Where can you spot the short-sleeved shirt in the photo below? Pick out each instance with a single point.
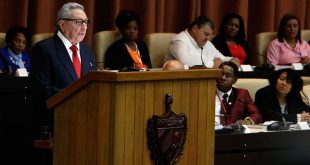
(184, 48)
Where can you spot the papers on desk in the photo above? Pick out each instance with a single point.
(302, 126)
(297, 66)
(246, 68)
(294, 66)
(218, 127)
(278, 67)
(266, 123)
(105, 70)
(21, 72)
(255, 128)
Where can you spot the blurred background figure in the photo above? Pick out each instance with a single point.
(14, 55)
(288, 48)
(231, 39)
(282, 96)
(173, 65)
(128, 51)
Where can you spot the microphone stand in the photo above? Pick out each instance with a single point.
(235, 128)
(203, 64)
(279, 125)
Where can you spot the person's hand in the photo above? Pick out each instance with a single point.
(246, 121)
(305, 116)
(305, 60)
(236, 61)
(217, 62)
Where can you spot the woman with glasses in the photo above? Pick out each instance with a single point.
(128, 52)
(14, 55)
(282, 98)
(288, 48)
(231, 39)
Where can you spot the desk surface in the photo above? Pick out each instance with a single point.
(286, 147)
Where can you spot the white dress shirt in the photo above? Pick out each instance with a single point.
(68, 45)
(184, 48)
(218, 106)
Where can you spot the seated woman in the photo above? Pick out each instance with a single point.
(288, 48)
(282, 96)
(231, 39)
(14, 56)
(127, 52)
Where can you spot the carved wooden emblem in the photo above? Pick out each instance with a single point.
(167, 135)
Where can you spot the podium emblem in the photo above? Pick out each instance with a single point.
(167, 135)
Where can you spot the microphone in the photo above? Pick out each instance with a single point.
(203, 64)
(232, 128)
(279, 125)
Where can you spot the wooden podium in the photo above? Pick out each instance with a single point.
(102, 118)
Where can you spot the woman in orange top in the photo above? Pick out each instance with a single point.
(127, 52)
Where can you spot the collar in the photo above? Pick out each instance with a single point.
(66, 41)
(286, 44)
(220, 93)
(14, 57)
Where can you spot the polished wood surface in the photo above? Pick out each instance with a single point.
(102, 118)
(283, 147)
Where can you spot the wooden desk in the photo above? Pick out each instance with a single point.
(287, 147)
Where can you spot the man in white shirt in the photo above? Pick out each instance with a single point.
(192, 46)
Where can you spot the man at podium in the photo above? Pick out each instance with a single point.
(233, 104)
(62, 59)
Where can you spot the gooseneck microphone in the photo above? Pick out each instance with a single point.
(235, 127)
(279, 125)
(203, 64)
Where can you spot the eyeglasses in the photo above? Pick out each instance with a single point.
(78, 22)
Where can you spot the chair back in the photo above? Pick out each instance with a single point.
(2, 40)
(305, 34)
(157, 44)
(262, 42)
(102, 41)
(39, 37)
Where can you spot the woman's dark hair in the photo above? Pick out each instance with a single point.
(124, 17)
(231, 64)
(200, 21)
(297, 82)
(281, 28)
(11, 33)
(226, 19)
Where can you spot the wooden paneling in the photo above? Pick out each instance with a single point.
(105, 122)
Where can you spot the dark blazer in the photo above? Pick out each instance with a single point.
(117, 56)
(266, 100)
(52, 69)
(7, 63)
(220, 43)
(240, 106)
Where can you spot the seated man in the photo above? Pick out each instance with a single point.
(233, 104)
(192, 46)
